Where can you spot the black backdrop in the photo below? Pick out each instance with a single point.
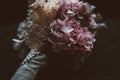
(103, 64)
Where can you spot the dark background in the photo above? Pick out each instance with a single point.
(103, 64)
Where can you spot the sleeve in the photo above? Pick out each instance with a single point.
(30, 66)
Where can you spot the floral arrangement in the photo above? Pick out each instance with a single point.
(59, 26)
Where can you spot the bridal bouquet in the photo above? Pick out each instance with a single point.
(59, 26)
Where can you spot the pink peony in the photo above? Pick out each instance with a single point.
(69, 31)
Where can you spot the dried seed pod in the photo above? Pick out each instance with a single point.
(40, 15)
